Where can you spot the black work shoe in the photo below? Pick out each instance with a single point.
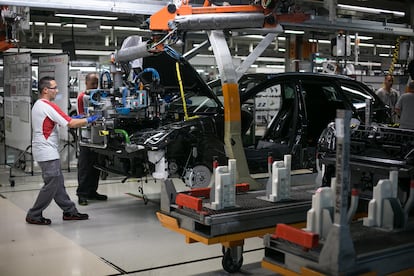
(77, 216)
(41, 221)
(83, 201)
(97, 196)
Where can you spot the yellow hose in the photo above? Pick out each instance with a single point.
(180, 82)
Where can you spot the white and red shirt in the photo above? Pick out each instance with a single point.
(46, 116)
(81, 108)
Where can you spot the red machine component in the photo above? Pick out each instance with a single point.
(193, 199)
(185, 200)
(302, 238)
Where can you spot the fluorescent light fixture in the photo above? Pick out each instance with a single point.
(132, 29)
(361, 37)
(293, 32)
(266, 59)
(275, 66)
(85, 16)
(385, 55)
(385, 46)
(320, 41)
(59, 51)
(370, 10)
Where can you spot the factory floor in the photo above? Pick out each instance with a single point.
(122, 237)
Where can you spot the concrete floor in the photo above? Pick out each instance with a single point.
(122, 237)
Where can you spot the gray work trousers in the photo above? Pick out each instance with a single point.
(53, 188)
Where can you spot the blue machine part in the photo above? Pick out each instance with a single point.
(95, 95)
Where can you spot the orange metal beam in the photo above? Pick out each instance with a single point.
(231, 102)
(191, 237)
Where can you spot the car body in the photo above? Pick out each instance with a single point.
(281, 114)
(375, 150)
(292, 109)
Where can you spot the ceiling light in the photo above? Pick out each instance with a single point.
(293, 32)
(84, 16)
(361, 37)
(320, 41)
(370, 10)
(59, 51)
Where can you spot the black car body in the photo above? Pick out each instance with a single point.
(281, 114)
(375, 151)
(292, 109)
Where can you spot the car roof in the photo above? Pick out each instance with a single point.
(293, 76)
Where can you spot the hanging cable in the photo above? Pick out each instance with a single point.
(395, 56)
(180, 82)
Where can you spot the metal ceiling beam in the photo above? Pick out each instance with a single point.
(144, 7)
(322, 24)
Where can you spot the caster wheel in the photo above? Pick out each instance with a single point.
(12, 183)
(140, 190)
(145, 198)
(229, 264)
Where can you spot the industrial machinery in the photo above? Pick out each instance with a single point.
(146, 128)
(145, 97)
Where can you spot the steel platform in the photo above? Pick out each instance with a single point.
(379, 251)
(250, 213)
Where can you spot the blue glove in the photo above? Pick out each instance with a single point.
(80, 116)
(93, 118)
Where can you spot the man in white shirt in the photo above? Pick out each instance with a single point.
(46, 116)
(389, 95)
(405, 107)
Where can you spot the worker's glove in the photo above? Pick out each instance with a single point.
(93, 118)
(80, 116)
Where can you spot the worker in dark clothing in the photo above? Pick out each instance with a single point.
(88, 175)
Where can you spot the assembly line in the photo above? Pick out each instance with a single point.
(319, 184)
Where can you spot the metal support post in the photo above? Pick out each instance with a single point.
(338, 253)
(258, 50)
(232, 114)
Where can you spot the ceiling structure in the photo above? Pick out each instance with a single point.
(46, 31)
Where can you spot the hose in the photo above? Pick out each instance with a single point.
(108, 76)
(155, 74)
(124, 133)
(180, 82)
